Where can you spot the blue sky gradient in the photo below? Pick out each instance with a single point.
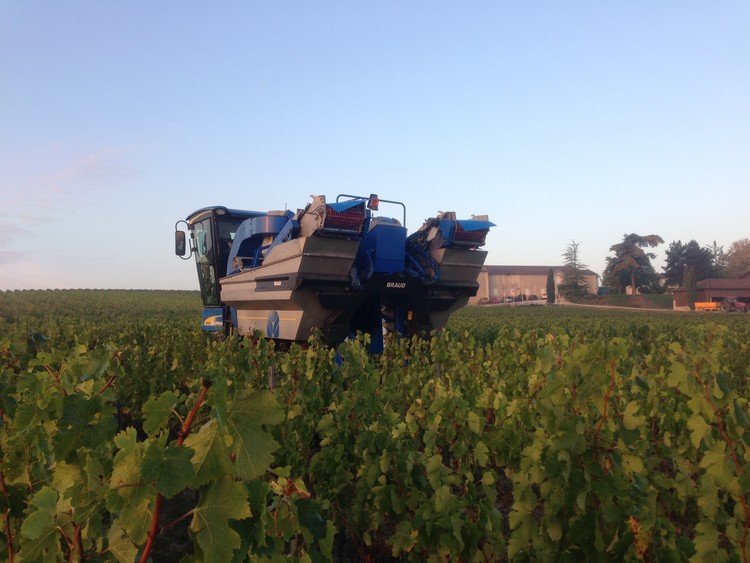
(580, 120)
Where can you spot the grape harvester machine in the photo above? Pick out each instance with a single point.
(333, 266)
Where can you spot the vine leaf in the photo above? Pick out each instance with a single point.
(39, 527)
(211, 457)
(441, 498)
(706, 542)
(134, 520)
(481, 454)
(713, 459)
(404, 538)
(226, 500)
(125, 481)
(156, 411)
(698, 429)
(43, 518)
(127, 495)
(85, 422)
(708, 497)
(630, 420)
(65, 477)
(678, 377)
(168, 468)
(476, 424)
(120, 546)
(252, 445)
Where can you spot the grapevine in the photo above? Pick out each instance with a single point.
(518, 433)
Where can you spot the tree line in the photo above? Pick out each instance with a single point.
(630, 265)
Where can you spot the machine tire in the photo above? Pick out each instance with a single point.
(724, 308)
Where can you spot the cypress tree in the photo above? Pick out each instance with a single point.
(691, 288)
(550, 287)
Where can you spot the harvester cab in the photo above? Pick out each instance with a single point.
(331, 266)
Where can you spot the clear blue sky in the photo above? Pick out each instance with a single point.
(561, 120)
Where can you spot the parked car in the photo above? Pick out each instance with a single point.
(508, 299)
(533, 297)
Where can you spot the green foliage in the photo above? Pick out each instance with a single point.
(631, 265)
(84, 466)
(529, 433)
(738, 258)
(574, 283)
(680, 257)
(718, 259)
(225, 500)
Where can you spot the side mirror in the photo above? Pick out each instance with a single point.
(179, 243)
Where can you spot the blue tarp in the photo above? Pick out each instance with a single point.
(474, 225)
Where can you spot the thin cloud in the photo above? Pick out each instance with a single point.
(17, 226)
(76, 180)
(39, 200)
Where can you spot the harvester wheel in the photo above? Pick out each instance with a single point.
(725, 307)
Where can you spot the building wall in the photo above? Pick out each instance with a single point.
(512, 285)
(593, 282)
(484, 289)
(495, 287)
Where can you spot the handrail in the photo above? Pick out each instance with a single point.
(367, 198)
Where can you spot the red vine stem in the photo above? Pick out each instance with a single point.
(77, 544)
(8, 530)
(184, 433)
(176, 521)
(110, 381)
(185, 430)
(56, 377)
(153, 529)
(604, 417)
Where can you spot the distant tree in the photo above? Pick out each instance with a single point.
(574, 283)
(631, 261)
(691, 255)
(691, 288)
(718, 260)
(738, 258)
(551, 287)
(612, 279)
(674, 266)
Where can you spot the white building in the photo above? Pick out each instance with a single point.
(499, 282)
